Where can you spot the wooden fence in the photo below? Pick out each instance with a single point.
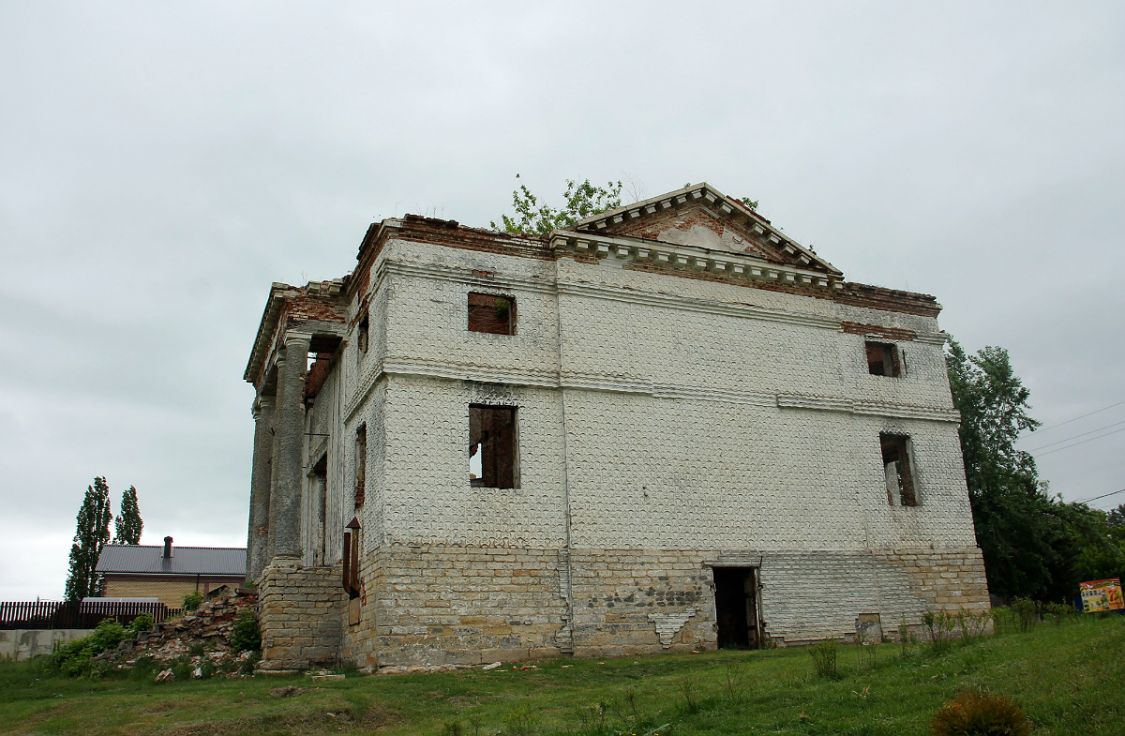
(77, 614)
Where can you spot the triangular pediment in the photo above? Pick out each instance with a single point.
(700, 216)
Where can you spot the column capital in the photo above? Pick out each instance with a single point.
(296, 339)
(261, 403)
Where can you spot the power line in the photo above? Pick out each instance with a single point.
(1081, 442)
(1076, 436)
(1104, 495)
(1081, 416)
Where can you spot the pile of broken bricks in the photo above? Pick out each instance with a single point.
(201, 639)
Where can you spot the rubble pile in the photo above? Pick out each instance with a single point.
(196, 645)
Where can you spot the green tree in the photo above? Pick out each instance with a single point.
(90, 536)
(530, 217)
(1033, 545)
(128, 524)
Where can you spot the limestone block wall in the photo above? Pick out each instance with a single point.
(427, 604)
(630, 601)
(300, 611)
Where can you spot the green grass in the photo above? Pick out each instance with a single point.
(1068, 679)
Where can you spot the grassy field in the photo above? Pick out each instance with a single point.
(1069, 678)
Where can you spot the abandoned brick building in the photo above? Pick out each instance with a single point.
(669, 426)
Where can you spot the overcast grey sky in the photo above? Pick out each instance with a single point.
(162, 163)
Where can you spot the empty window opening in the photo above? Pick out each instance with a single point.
(897, 470)
(351, 558)
(736, 607)
(493, 447)
(491, 313)
(363, 334)
(320, 498)
(360, 464)
(318, 366)
(882, 359)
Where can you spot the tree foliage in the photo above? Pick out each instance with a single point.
(90, 536)
(582, 199)
(1033, 545)
(127, 525)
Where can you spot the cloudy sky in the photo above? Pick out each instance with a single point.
(162, 163)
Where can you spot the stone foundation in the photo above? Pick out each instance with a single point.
(439, 605)
(434, 605)
(300, 611)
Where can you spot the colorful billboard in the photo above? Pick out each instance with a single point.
(1101, 595)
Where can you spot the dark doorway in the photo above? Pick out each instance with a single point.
(736, 607)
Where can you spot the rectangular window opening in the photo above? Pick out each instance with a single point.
(493, 447)
(491, 313)
(320, 477)
(360, 464)
(897, 469)
(363, 334)
(351, 558)
(882, 359)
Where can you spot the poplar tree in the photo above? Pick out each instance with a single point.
(127, 525)
(90, 536)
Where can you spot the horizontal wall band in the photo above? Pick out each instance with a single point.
(446, 370)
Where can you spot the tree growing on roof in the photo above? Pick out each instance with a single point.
(90, 536)
(127, 525)
(583, 199)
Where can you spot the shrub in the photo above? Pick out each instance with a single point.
(76, 658)
(1059, 612)
(980, 714)
(824, 659)
(143, 622)
(192, 601)
(245, 636)
(973, 624)
(1027, 613)
(1004, 620)
(939, 625)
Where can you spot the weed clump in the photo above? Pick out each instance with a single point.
(76, 659)
(192, 601)
(980, 714)
(143, 622)
(824, 659)
(1027, 613)
(246, 636)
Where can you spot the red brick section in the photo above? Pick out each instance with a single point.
(650, 227)
(891, 333)
(450, 233)
(319, 307)
(317, 374)
(877, 297)
(854, 294)
(491, 313)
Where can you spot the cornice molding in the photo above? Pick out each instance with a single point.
(736, 266)
(452, 371)
(724, 206)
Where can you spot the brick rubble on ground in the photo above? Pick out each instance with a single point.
(208, 628)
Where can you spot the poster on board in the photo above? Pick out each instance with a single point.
(1101, 595)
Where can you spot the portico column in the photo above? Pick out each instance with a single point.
(289, 429)
(257, 536)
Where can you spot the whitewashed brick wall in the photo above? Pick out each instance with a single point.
(675, 437)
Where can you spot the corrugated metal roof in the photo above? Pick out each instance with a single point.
(141, 559)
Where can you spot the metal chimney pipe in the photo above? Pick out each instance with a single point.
(167, 548)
